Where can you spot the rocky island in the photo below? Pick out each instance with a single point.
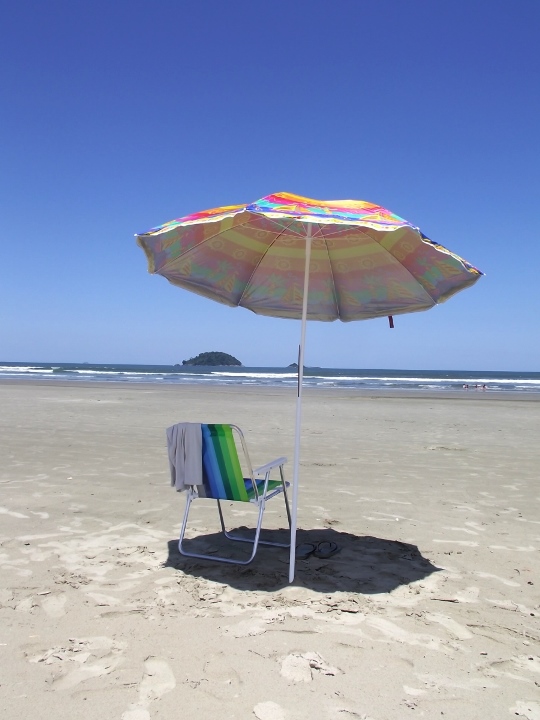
(214, 358)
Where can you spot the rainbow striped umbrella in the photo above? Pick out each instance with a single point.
(293, 257)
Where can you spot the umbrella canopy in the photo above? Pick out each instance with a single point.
(293, 257)
(365, 262)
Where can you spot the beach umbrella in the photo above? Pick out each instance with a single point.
(288, 256)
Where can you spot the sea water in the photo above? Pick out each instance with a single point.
(354, 379)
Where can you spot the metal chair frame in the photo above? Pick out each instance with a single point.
(259, 499)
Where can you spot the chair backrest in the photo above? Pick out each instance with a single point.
(222, 473)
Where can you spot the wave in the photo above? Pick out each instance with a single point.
(496, 381)
(261, 375)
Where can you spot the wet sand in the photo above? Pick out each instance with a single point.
(431, 608)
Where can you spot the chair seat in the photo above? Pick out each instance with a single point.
(272, 485)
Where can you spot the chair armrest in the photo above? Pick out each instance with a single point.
(266, 468)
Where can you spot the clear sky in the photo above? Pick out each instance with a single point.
(118, 116)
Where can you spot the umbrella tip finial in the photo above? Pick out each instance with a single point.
(391, 321)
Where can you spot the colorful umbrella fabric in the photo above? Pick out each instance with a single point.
(365, 261)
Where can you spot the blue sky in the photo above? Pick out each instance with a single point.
(118, 116)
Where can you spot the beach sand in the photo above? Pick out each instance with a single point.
(431, 609)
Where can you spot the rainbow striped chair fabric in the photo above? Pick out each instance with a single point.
(223, 479)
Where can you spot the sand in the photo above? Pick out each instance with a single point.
(431, 609)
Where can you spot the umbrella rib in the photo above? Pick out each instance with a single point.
(260, 261)
(334, 289)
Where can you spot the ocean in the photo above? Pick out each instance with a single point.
(353, 379)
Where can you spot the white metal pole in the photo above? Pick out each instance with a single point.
(296, 464)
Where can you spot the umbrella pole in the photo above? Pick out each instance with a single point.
(296, 463)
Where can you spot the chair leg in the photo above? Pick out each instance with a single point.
(189, 499)
(238, 538)
(222, 521)
(287, 508)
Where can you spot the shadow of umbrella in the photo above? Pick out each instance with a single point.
(364, 565)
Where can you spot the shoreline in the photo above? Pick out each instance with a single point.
(379, 393)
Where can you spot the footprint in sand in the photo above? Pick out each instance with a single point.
(26, 604)
(103, 653)
(158, 679)
(468, 595)
(529, 663)
(245, 628)
(12, 513)
(394, 632)
(54, 605)
(268, 711)
(344, 712)
(103, 600)
(528, 710)
(85, 672)
(458, 631)
(300, 667)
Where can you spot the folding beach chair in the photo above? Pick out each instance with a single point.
(223, 480)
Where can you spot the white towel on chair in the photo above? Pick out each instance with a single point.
(184, 444)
